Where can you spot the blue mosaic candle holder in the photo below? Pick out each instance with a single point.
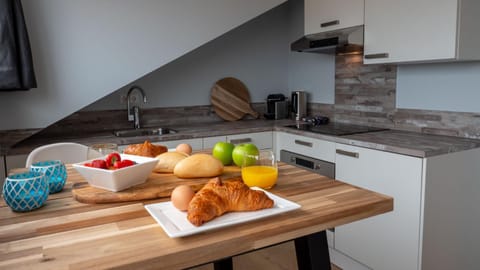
(25, 191)
(55, 172)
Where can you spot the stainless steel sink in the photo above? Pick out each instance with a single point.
(143, 132)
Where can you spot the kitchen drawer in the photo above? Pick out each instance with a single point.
(209, 142)
(263, 140)
(315, 148)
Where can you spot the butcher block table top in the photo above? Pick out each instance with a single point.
(68, 234)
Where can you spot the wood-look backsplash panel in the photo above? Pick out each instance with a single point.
(365, 95)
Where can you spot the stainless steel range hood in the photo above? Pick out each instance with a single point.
(341, 41)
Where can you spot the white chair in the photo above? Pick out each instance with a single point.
(66, 151)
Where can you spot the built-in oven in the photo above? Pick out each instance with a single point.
(315, 165)
(322, 167)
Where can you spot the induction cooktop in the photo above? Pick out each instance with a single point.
(336, 129)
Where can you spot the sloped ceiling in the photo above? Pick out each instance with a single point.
(85, 50)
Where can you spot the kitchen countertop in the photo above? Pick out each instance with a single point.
(411, 143)
(400, 142)
(396, 141)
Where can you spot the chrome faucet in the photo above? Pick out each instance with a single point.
(135, 115)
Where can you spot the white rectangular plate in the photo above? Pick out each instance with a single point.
(175, 223)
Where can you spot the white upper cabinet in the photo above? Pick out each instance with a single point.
(421, 31)
(328, 15)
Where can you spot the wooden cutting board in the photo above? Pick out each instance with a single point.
(158, 185)
(231, 100)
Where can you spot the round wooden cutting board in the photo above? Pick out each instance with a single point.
(231, 100)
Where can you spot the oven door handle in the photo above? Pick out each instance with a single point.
(315, 166)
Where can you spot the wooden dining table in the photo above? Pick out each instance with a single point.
(67, 234)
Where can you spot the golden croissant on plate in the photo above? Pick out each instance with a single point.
(217, 198)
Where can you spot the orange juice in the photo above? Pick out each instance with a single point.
(260, 176)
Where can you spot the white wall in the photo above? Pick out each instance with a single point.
(445, 87)
(84, 50)
(257, 53)
(311, 72)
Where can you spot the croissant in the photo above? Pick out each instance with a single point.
(217, 198)
(145, 149)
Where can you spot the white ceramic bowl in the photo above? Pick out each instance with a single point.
(119, 179)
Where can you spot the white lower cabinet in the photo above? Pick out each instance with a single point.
(392, 240)
(263, 140)
(310, 147)
(209, 142)
(435, 218)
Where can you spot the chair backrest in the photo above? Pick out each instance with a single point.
(67, 152)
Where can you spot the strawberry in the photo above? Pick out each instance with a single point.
(99, 163)
(112, 158)
(123, 163)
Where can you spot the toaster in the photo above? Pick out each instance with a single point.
(277, 107)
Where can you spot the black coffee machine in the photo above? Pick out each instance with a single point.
(277, 107)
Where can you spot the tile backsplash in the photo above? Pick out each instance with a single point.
(365, 95)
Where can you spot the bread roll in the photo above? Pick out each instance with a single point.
(167, 161)
(197, 166)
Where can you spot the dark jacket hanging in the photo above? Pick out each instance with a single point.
(16, 65)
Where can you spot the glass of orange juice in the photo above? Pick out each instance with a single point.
(260, 170)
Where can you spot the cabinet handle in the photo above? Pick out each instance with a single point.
(308, 144)
(348, 153)
(376, 55)
(327, 24)
(239, 141)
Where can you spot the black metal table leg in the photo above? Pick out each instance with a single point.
(312, 252)
(223, 264)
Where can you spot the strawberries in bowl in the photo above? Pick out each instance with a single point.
(111, 162)
(126, 171)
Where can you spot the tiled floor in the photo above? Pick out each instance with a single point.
(279, 257)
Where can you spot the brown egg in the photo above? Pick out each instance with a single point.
(184, 148)
(181, 197)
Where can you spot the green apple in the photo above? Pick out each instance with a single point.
(241, 150)
(223, 152)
